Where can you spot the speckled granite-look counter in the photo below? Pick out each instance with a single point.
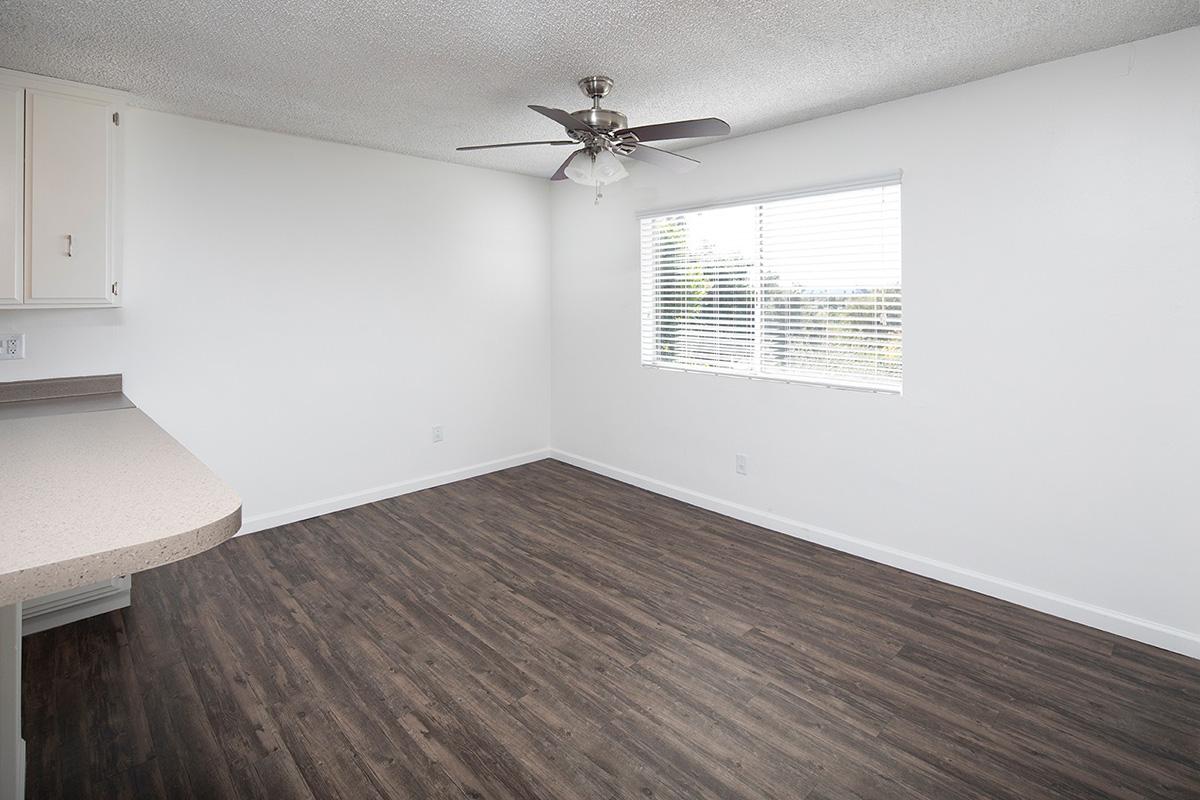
(88, 496)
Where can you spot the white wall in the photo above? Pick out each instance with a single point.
(300, 314)
(1047, 445)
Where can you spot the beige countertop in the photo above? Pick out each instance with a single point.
(92, 495)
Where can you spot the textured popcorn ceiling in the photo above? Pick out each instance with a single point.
(424, 77)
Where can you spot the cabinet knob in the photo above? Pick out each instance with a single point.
(70, 245)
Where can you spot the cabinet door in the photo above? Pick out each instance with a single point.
(12, 192)
(68, 208)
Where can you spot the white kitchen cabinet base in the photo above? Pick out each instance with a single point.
(72, 605)
(12, 746)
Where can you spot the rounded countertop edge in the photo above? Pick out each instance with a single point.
(33, 582)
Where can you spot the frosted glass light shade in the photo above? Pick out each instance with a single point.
(600, 169)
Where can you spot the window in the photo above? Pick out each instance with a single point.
(803, 288)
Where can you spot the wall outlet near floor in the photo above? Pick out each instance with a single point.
(12, 346)
(739, 463)
(438, 434)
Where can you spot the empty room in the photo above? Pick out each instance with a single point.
(701, 401)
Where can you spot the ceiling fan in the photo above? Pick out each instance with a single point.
(605, 135)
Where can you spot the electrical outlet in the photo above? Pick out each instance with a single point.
(438, 434)
(12, 346)
(739, 463)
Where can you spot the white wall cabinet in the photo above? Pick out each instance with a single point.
(60, 244)
(12, 193)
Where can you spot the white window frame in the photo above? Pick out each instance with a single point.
(647, 317)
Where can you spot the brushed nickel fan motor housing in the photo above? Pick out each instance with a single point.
(600, 119)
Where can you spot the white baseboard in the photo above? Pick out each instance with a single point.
(261, 522)
(1142, 630)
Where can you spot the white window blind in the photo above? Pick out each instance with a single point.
(802, 288)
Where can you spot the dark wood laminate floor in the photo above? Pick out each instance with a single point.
(546, 633)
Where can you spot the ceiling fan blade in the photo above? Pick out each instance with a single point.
(563, 118)
(511, 144)
(561, 173)
(662, 158)
(683, 129)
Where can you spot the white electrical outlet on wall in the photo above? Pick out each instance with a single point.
(12, 346)
(438, 435)
(739, 463)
